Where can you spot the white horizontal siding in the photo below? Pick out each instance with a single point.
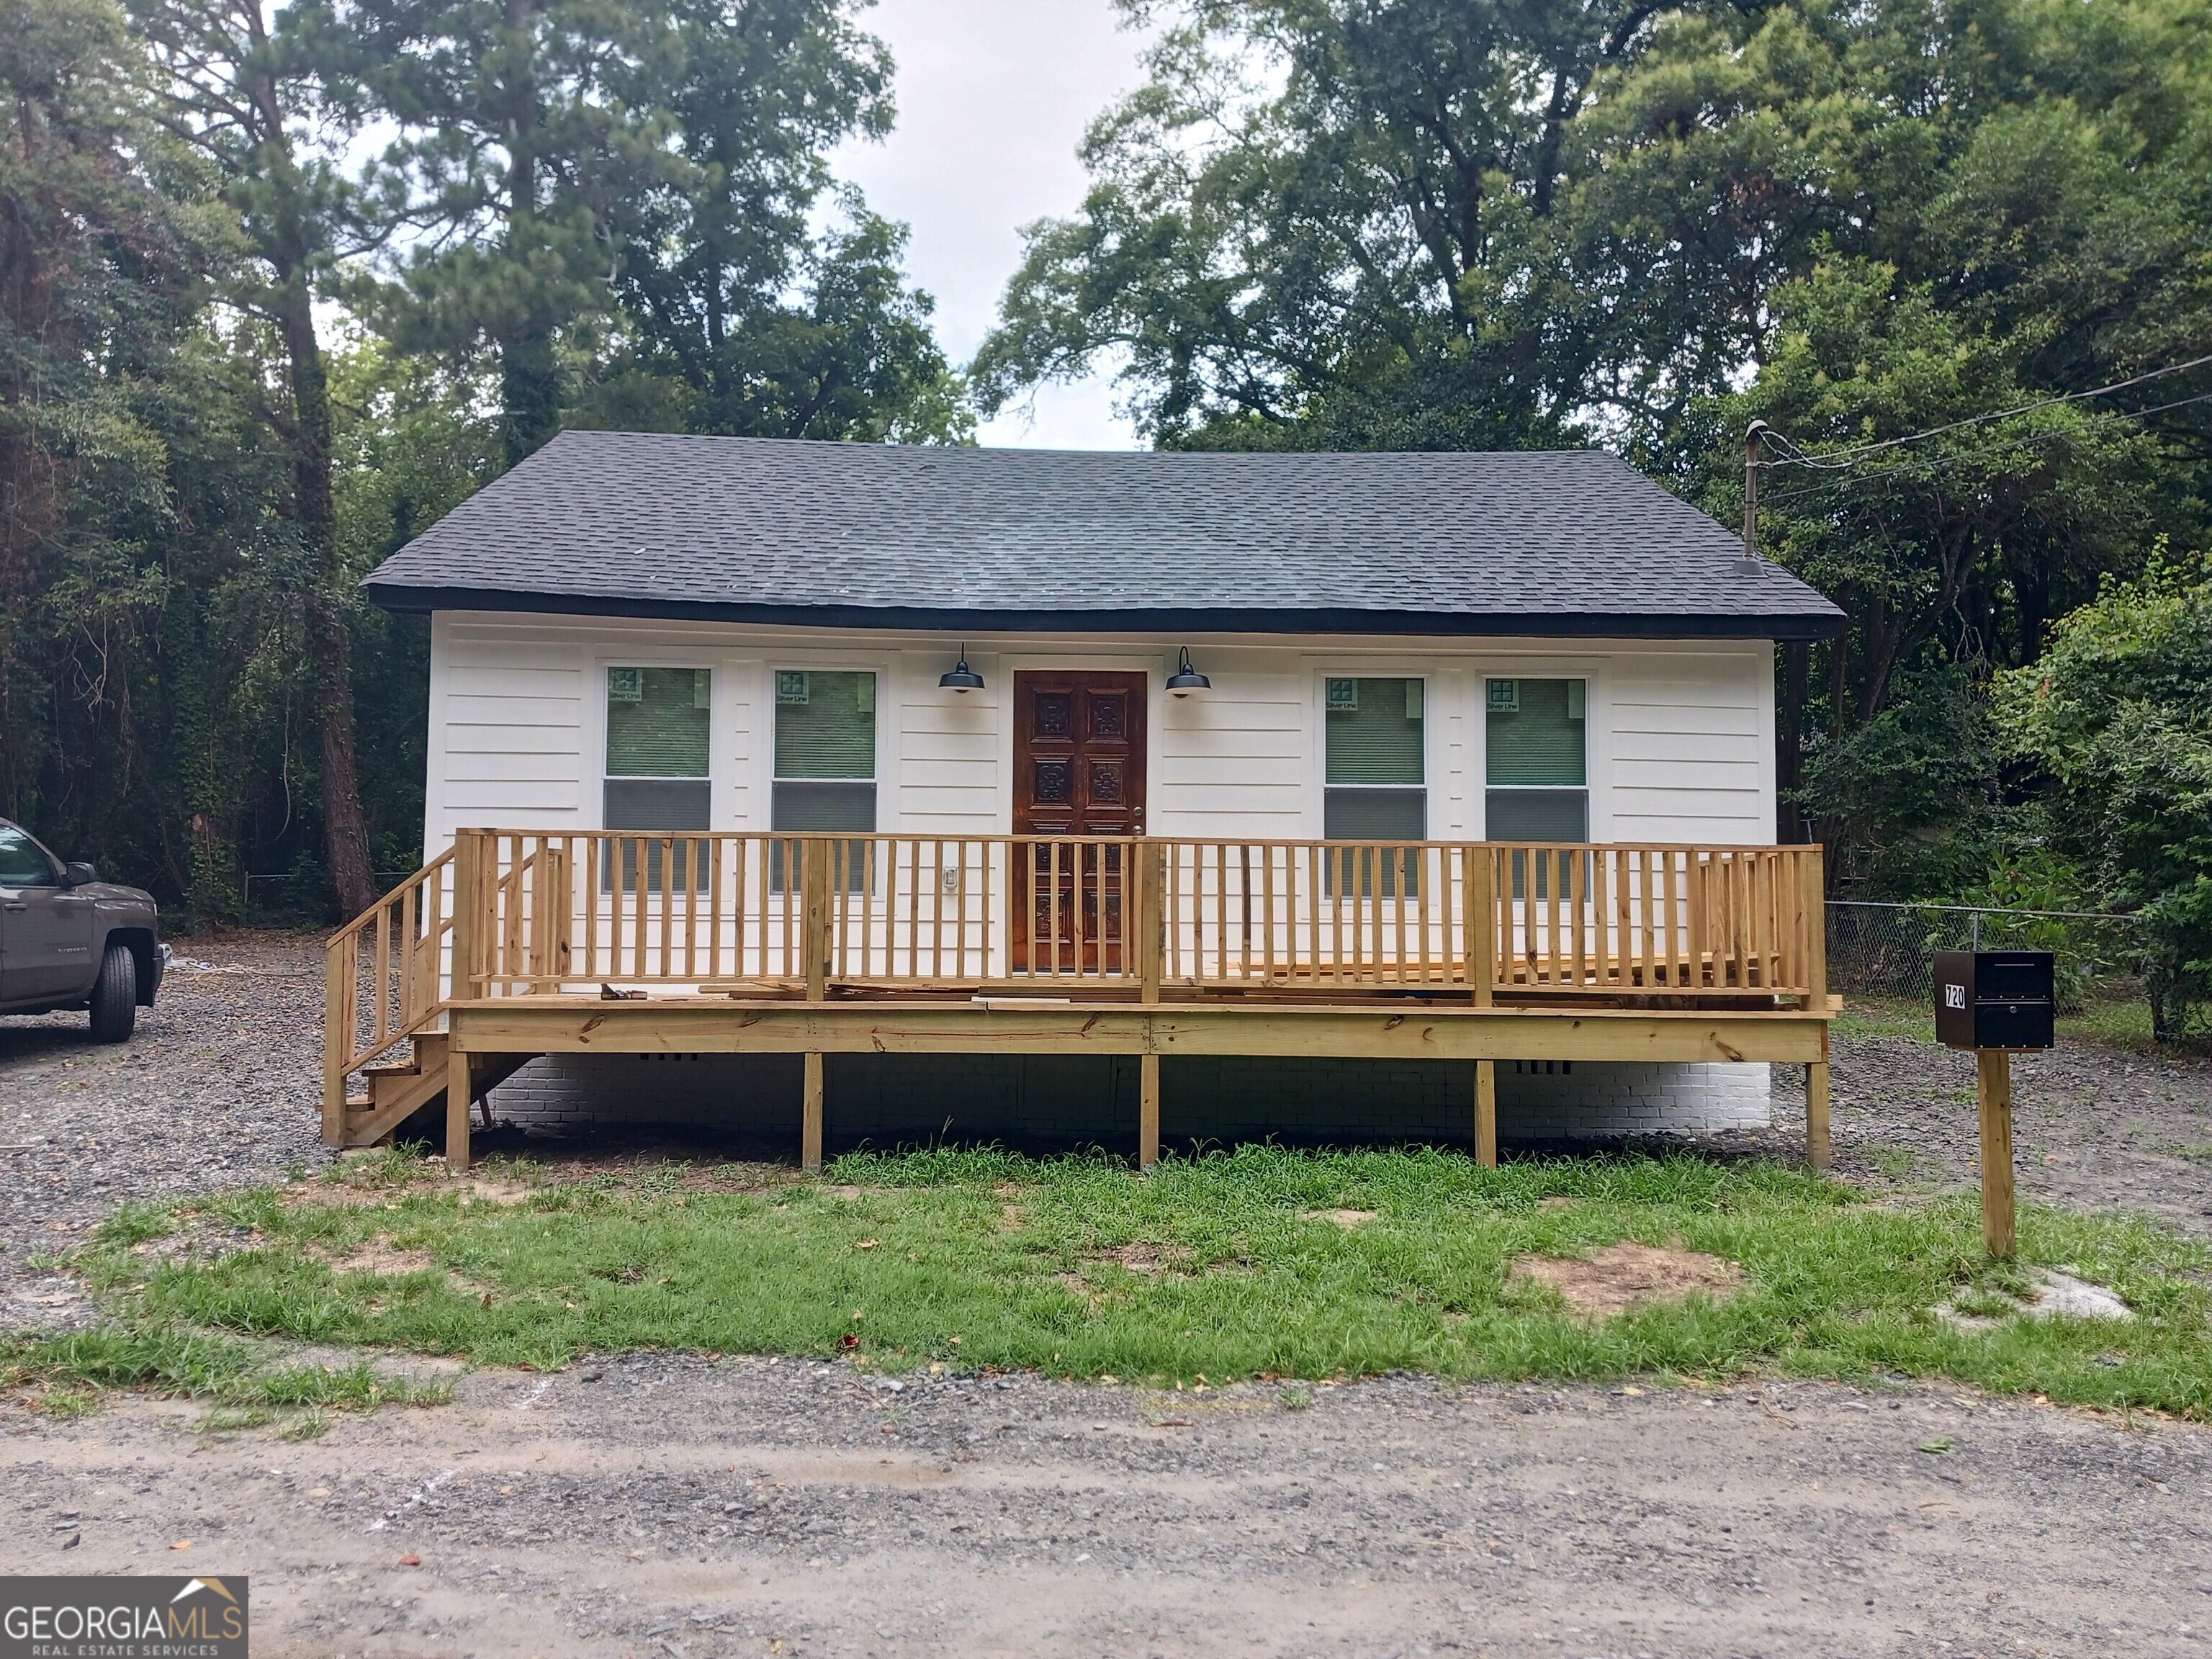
(738, 749)
(947, 746)
(1233, 761)
(466, 678)
(489, 737)
(1687, 718)
(508, 746)
(1681, 737)
(1689, 758)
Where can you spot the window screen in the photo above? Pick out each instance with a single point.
(658, 723)
(826, 760)
(657, 720)
(1538, 766)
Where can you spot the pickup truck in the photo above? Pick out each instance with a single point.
(69, 939)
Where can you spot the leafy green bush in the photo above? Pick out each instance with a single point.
(1908, 798)
(2118, 716)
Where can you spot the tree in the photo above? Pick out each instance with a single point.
(239, 96)
(412, 442)
(1329, 224)
(524, 126)
(1960, 540)
(103, 229)
(191, 482)
(2115, 716)
(844, 350)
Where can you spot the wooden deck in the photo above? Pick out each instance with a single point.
(516, 943)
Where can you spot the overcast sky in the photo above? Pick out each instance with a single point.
(992, 97)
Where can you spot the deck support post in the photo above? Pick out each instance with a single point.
(1819, 1151)
(1485, 1112)
(1993, 1076)
(1148, 1109)
(810, 1122)
(458, 1091)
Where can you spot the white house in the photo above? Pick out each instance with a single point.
(646, 632)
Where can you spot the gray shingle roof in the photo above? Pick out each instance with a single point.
(619, 523)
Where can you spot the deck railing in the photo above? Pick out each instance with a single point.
(521, 913)
(509, 913)
(386, 977)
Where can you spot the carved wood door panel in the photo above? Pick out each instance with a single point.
(1079, 771)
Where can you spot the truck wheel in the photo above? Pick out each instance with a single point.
(115, 996)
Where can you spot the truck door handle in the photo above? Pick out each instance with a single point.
(14, 904)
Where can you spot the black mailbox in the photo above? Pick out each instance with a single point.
(1994, 998)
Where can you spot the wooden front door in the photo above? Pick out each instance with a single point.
(1079, 771)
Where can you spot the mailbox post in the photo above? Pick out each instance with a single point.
(1996, 1003)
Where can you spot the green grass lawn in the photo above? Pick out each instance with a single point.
(1228, 1267)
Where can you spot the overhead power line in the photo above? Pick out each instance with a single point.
(1853, 476)
(1842, 460)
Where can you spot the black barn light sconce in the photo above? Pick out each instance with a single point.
(1186, 679)
(962, 678)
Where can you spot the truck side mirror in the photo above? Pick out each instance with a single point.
(79, 875)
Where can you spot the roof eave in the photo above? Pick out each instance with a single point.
(407, 599)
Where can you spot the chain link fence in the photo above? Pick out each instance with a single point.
(1889, 950)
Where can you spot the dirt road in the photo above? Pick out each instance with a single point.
(690, 1508)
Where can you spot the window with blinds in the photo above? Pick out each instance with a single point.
(1538, 764)
(1374, 780)
(825, 754)
(1374, 787)
(658, 724)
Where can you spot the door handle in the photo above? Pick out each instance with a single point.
(14, 904)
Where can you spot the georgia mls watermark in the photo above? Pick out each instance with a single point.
(123, 1618)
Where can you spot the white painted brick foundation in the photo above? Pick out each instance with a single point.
(891, 1100)
(1541, 1100)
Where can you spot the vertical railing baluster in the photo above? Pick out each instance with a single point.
(960, 922)
(1267, 910)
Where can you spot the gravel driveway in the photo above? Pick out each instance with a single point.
(221, 1086)
(2092, 1129)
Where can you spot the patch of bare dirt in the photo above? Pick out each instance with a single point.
(380, 1256)
(384, 1259)
(1346, 1219)
(1629, 1275)
(1141, 1257)
(500, 1192)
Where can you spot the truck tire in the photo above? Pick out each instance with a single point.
(115, 996)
